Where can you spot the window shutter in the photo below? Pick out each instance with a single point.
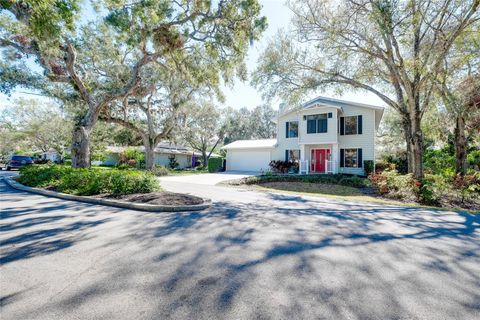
(286, 155)
(359, 158)
(330, 115)
(286, 129)
(360, 124)
(342, 156)
(304, 117)
(342, 126)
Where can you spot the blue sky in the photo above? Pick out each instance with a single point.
(242, 94)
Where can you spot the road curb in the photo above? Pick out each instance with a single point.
(109, 202)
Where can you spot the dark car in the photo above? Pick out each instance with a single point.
(18, 162)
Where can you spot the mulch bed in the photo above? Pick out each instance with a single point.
(158, 198)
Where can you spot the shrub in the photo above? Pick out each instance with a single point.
(438, 161)
(215, 164)
(352, 181)
(345, 180)
(132, 157)
(89, 181)
(368, 166)
(383, 165)
(160, 171)
(280, 166)
(134, 182)
(398, 160)
(395, 185)
(42, 175)
(172, 162)
(473, 159)
(467, 186)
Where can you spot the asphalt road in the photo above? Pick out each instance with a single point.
(253, 255)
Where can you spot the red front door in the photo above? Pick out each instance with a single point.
(318, 160)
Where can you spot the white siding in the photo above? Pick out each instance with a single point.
(161, 159)
(184, 161)
(284, 143)
(327, 137)
(330, 140)
(364, 141)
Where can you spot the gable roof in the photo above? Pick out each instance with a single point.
(338, 104)
(251, 144)
(331, 102)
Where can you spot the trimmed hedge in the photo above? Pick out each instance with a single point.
(215, 164)
(344, 180)
(90, 181)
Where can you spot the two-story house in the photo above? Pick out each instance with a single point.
(324, 135)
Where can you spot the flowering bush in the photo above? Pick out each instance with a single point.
(432, 190)
(467, 186)
(279, 166)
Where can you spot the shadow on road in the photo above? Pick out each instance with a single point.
(284, 258)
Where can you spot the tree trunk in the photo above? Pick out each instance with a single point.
(149, 154)
(416, 147)
(406, 131)
(414, 140)
(460, 146)
(81, 146)
(205, 158)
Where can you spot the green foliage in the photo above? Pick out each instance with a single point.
(473, 159)
(281, 166)
(131, 157)
(395, 185)
(89, 181)
(345, 180)
(467, 186)
(398, 161)
(434, 189)
(245, 124)
(47, 18)
(172, 162)
(368, 166)
(439, 161)
(215, 164)
(160, 171)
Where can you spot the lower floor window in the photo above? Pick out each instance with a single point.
(351, 158)
(292, 155)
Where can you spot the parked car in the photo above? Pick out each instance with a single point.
(17, 162)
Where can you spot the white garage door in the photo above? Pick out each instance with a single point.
(248, 160)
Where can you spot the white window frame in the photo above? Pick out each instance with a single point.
(345, 126)
(345, 154)
(298, 129)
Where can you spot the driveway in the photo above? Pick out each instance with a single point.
(209, 178)
(252, 255)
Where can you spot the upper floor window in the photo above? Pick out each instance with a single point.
(292, 129)
(351, 125)
(317, 123)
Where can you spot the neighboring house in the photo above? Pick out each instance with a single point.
(51, 155)
(324, 135)
(163, 152)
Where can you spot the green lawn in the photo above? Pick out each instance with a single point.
(185, 172)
